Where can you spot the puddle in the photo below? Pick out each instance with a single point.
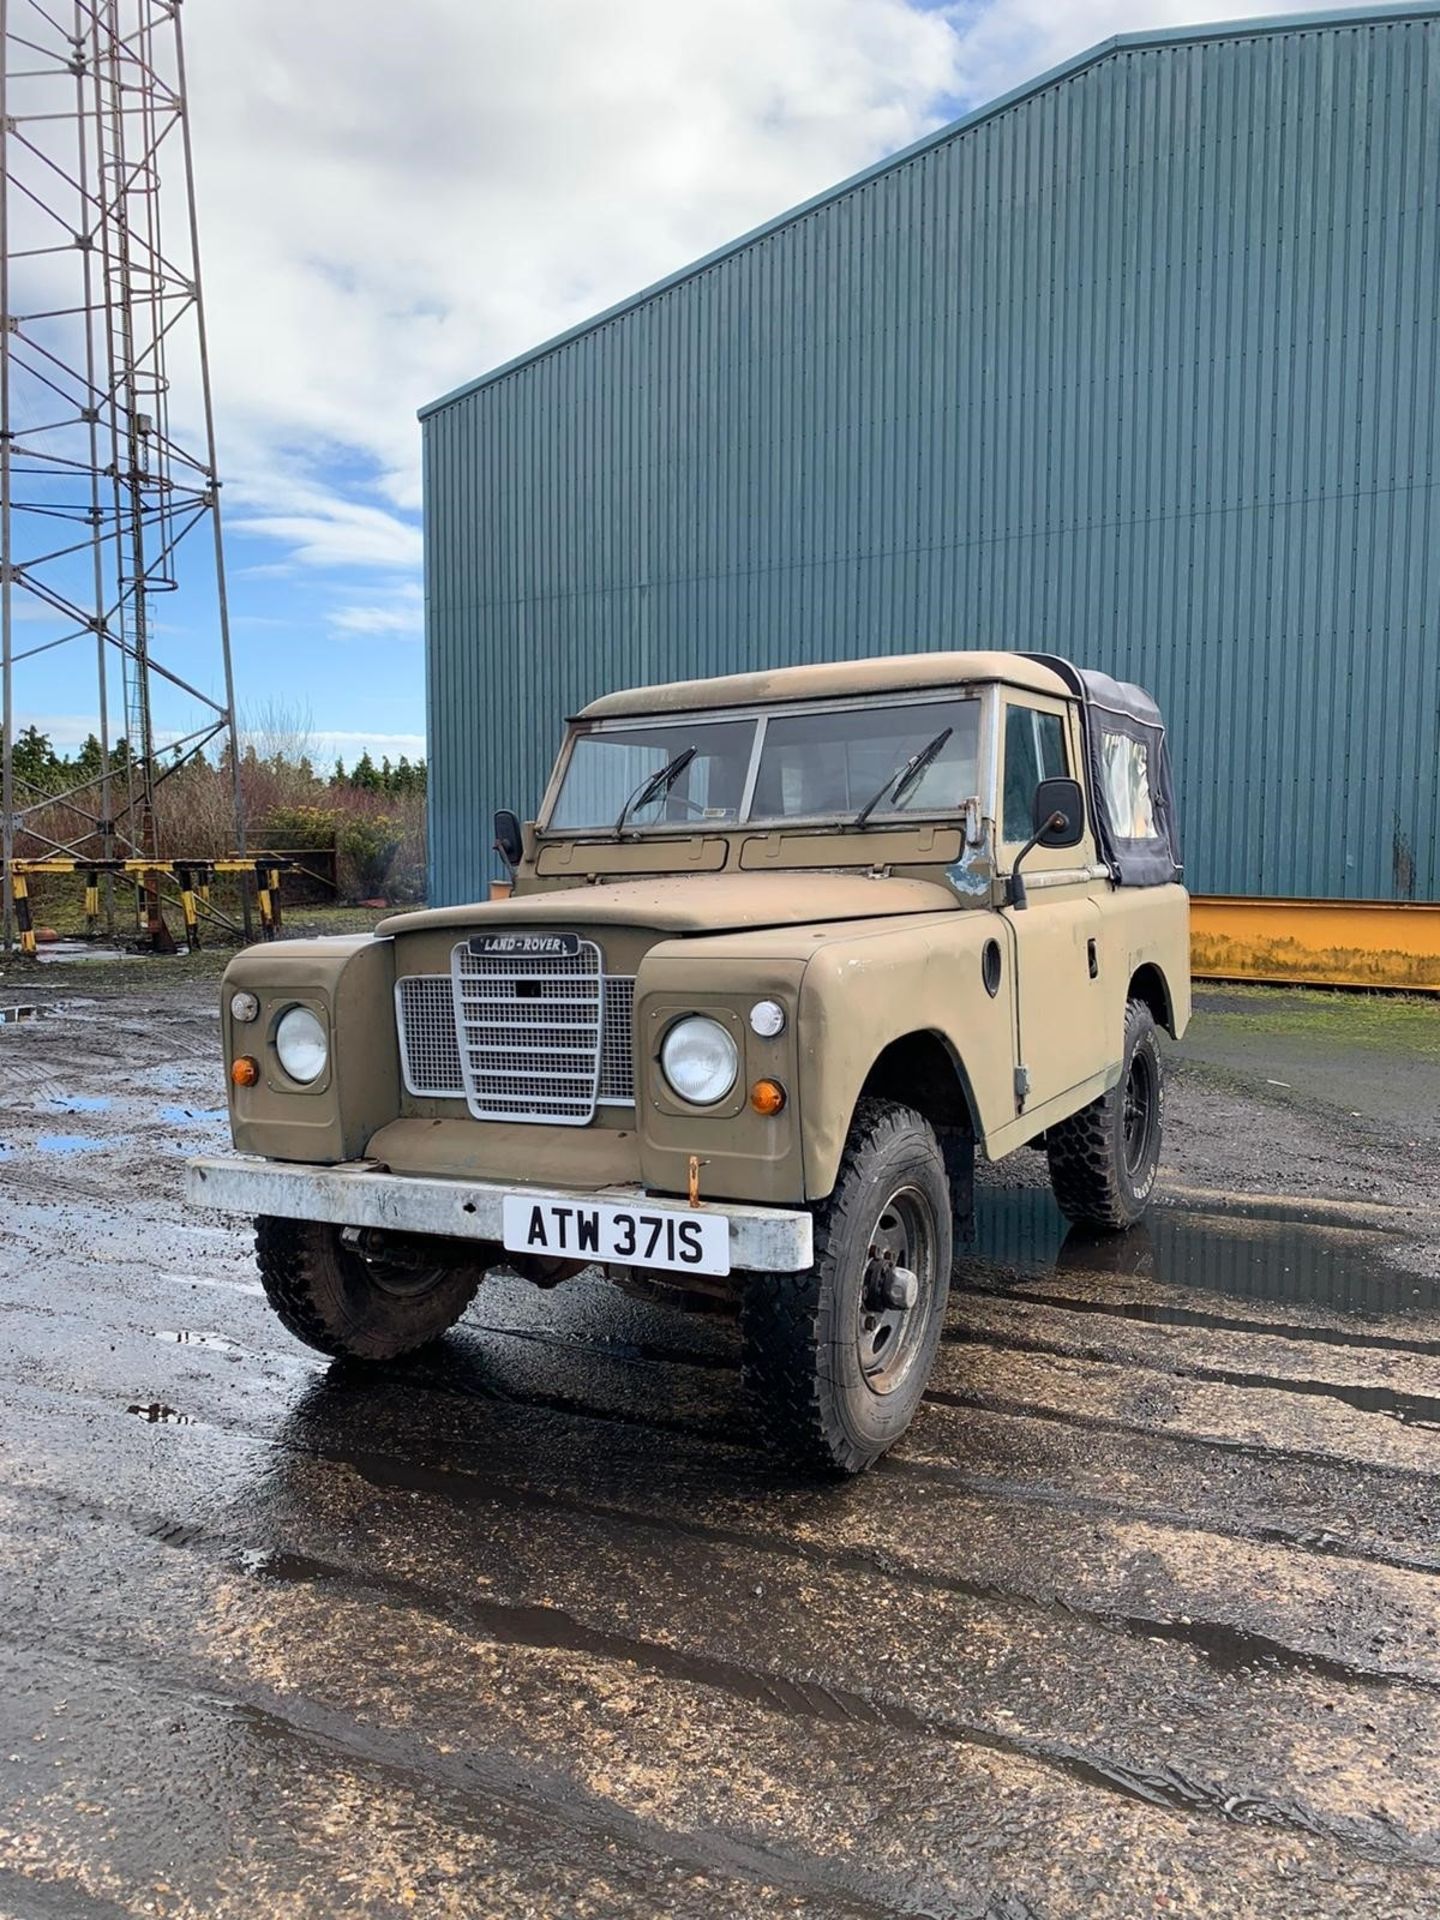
(77, 1103)
(63, 950)
(193, 1116)
(216, 1342)
(1234, 1650)
(1288, 1263)
(156, 1413)
(73, 1143)
(274, 1563)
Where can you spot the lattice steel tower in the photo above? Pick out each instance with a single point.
(111, 563)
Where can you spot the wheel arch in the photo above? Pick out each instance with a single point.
(922, 1069)
(1149, 986)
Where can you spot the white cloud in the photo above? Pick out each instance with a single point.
(319, 526)
(65, 730)
(396, 609)
(394, 199)
(326, 748)
(1004, 44)
(70, 730)
(38, 613)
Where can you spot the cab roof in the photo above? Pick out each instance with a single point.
(834, 679)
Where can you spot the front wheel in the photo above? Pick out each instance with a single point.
(344, 1302)
(837, 1358)
(1104, 1159)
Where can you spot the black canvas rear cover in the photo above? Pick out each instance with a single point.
(1131, 787)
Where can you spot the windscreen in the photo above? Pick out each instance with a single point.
(611, 766)
(817, 764)
(827, 765)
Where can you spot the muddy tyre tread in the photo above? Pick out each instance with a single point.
(783, 1315)
(1087, 1173)
(285, 1276)
(302, 1270)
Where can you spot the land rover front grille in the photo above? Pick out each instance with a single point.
(520, 1038)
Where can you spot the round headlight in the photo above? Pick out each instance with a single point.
(302, 1044)
(700, 1060)
(243, 1006)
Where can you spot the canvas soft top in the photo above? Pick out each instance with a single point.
(1128, 761)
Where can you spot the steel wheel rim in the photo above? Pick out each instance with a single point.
(1138, 1119)
(400, 1282)
(888, 1337)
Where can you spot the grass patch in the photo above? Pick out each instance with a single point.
(1407, 1021)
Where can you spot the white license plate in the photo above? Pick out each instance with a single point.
(679, 1241)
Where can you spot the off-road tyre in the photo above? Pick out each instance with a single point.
(821, 1397)
(345, 1305)
(1104, 1159)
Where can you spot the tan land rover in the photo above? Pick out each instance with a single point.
(780, 952)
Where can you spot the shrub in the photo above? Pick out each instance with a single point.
(295, 827)
(367, 844)
(377, 833)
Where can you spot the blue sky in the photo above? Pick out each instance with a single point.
(393, 200)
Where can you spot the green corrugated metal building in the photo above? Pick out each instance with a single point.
(1138, 364)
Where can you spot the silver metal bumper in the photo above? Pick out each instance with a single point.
(762, 1239)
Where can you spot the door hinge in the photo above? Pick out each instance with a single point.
(1022, 1088)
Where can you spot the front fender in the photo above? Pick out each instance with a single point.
(743, 1155)
(862, 992)
(349, 983)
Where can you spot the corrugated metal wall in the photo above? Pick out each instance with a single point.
(1140, 367)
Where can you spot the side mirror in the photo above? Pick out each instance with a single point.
(1059, 798)
(509, 841)
(1059, 822)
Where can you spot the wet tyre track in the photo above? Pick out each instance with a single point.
(293, 1764)
(825, 1771)
(982, 1563)
(1055, 1649)
(1102, 1638)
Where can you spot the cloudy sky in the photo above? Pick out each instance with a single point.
(395, 198)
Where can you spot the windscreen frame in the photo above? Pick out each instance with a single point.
(745, 820)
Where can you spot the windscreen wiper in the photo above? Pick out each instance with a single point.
(899, 783)
(654, 786)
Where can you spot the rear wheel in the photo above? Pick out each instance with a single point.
(838, 1358)
(1104, 1159)
(342, 1301)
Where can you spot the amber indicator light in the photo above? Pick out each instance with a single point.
(767, 1096)
(245, 1072)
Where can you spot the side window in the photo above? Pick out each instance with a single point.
(1125, 766)
(1034, 751)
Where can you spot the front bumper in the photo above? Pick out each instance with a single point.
(762, 1239)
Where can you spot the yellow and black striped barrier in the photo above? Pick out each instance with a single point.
(20, 895)
(191, 877)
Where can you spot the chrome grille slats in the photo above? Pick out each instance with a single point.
(498, 998)
(520, 1038)
(617, 1042)
(429, 1051)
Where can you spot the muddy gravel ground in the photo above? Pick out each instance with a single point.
(1142, 1618)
